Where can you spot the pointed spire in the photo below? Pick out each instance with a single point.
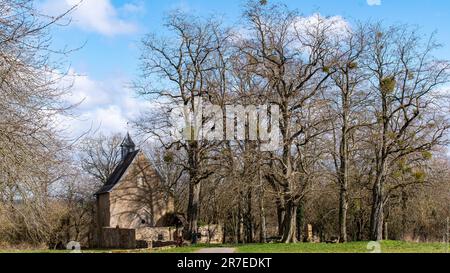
(127, 146)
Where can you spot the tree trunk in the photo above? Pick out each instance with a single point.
(193, 210)
(224, 234)
(263, 229)
(262, 209)
(248, 219)
(376, 218)
(404, 214)
(290, 223)
(300, 216)
(359, 225)
(343, 170)
(236, 226)
(240, 221)
(360, 231)
(343, 208)
(280, 217)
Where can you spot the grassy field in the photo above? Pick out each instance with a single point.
(356, 247)
(105, 251)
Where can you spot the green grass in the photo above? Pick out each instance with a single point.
(190, 249)
(44, 251)
(355, 247)
(106, 251)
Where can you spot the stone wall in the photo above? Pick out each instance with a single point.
(212, 234)
(153, 234)
(116, 238)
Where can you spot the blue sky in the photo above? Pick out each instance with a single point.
(112, 31)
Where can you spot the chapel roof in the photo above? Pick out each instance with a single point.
(118, 173)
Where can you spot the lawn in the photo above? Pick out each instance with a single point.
(355, 247)
(105, 251)
(44, 251)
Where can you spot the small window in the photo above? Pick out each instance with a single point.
(143, 222)
(160, 237)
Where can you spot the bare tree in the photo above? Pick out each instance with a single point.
(289, 54)
(183, 62)
(405, 79)
(347, 104)
(32, 149)
(100, 156)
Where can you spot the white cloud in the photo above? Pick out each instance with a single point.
(99, 16)
(85, 91)
(374, 2)
(106, 106)
(336, 28)
(335, 25)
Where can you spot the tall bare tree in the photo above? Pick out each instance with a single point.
(183, 61)
(405, 79)
(290, 54)
(347, 104)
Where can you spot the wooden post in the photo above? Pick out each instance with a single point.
(309, 232)
(386, 233)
